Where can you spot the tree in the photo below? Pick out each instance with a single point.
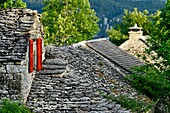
(110, 9)
(142, 19)
(155, 79)
(12, 4)
(68, 21)
(116, 37)
(113, 10)
(160, 41)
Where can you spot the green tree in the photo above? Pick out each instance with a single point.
(12, 4)
(68, 21)
(142, 19)
(155, 79)
(116, 37)
(160, 41)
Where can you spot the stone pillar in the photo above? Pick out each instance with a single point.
(135, 33)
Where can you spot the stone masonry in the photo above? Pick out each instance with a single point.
(137, 45)
(73, 77)
(17, 26)
(78, 89)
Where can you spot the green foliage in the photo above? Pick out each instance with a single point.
(150, 81)
(116, 37)
(143, 19)
(135, 105)
(4, 4)
(7, 106)
(160, 41)
(155, 80)
(100, 63)
(110, 9)
(113, 9)
(66, 22)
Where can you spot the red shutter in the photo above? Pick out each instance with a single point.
(31, 56)
(39, 54)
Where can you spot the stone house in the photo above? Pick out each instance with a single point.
(136, 44)
(74, 77)
(20, 30)
(70, 78)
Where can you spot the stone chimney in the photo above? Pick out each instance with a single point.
(135, 33)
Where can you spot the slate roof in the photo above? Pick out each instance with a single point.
(80, 89)
(16, 26)
(115, 54)
(138, 48)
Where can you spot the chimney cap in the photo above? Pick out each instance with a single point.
(135, 27)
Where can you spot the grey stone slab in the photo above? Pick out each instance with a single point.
(123, 111)
(3, 92)
(56, 62)
(115, 54)
(50, 72)
(53, 67)
(15, 68)
(78, 90)
(2, 70)
(10, 37)
(99, 109)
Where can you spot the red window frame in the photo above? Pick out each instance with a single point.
(39, 54)
(31, 56)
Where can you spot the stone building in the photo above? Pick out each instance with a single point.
(92, 69)
(19, 28)
(72, 78)
(136, 44)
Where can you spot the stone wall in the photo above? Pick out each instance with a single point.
(13, 80)
(134, 36)
(17, 26)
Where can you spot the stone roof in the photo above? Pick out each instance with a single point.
(137, 48)
(134, 47)
(79, 89)
(16, 27)
(115, 54)
(137, 44)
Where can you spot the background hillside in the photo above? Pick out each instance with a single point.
(110, 11)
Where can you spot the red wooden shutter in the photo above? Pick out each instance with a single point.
(39, 54)
(31, 56)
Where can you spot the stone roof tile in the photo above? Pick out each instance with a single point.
(15, 25)
(115, 54)
(83, 87)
